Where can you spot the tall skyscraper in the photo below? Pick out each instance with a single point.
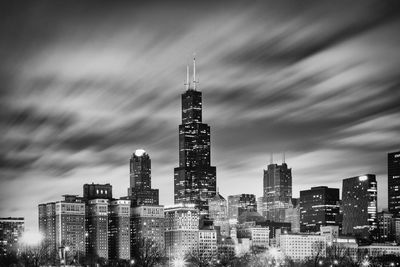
(319, 206)
(140, 191)
(195, 178)
(359, 204)
(237, 204)
(277, 191)
(394, 183)
(11, 230)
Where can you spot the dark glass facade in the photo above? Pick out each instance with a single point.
(319, 206)
(195, 178)
(394, 183)
(277, 191)
(359, 205)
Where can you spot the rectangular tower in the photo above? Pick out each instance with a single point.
(119, 230)
(319, 206)
(277, 191)
(394, 183)
(47, 227)
(97, 228)
(359, 204)
(195, 178)
(11, 230)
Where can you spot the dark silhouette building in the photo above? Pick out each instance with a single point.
(319, 206)
(277, 191)
(394, 183)
(140, 191)
(237, 204)
(195, 178)
(359, 204)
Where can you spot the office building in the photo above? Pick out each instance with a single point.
(11, 230)
(97, 223)
(277, 191)
(119, 230)
(181, 230)
(218, 213)
(147, 225)
(292, 215)
(298, 247)
(259, 236)
(237, 204)
(97, 191)
(140, 191)
(359, 204)
(47, 227)
(208, 243)
(394, 183)
(319, 206)
(194, 178)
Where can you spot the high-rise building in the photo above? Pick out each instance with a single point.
(119, 230)
(218, 213)
(11, 230)
(318, 207)
(394, 183)
(385, 226)
(97, 223)
(70, 225)
(140, 191)
(97, 191)
(195, 178)
(238, 204)
(292, 215)
(359, 204)
(47, 227)
(277, 191)
(181, 230)
(147, 225)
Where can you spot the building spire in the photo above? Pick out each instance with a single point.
(194, 72)
(187, 84)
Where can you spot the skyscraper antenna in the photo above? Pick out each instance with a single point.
(187, 84)
(194, 72)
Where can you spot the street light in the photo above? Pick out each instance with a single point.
(320, 262)
(335, 262)
(132, 262)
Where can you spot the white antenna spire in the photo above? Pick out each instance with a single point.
(187, 78)
(194, 72)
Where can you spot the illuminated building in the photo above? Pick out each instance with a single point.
(359, 204)
(298, 247)
(195, 178)
(97, 191)
(394, 183)
(181, 230)
(277, 191)
(218, 212)
(207, 243)
(385, 226)
(318, 207)
(237, 204)
(119, 229)
(97, 228)
(147, 223)
(47, 226)
(11, 230)
(140, 191)
(259, 236)
(292, 215)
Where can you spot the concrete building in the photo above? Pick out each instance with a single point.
(385, 226)
(208, 243)
(318, 207)
(97, 191)
(218, 213)
(259, 236)
(277, 191)
(11, 231)
(181, 230)
(292, 215)
(119, 230)
(359, 205)
(241, 203)
(97, 245)
(47, 227)
(300, 246)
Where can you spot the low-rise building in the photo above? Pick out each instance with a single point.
(300, 246)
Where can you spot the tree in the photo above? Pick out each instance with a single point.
(147, 253)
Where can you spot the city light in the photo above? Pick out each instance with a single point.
(366, 262)
(31, 238)
(363, 178)
(179, 262)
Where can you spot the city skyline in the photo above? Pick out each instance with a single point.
(83, 88)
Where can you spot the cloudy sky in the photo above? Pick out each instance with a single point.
(82, 85)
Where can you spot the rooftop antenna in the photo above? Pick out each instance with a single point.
(284, 158)
(187, 84)
(194, 72)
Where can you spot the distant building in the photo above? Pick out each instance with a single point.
(195, 178)
(207, 243)
(332, 233)
(140, 191)
(97, 191)
(240, 203)
(218, 213)
(147, 224)
(318, 207)
(277, 191)
(385, 226)
(11, 230)
(292, 215)
(98, 228)
(119, 230)
(298, 247)
(396, 228)
(394, 183)
(226, 247)
(259, 236)
(359, 204)
(181, 230)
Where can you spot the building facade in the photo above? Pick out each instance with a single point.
(207, 243)
(47, 227)
(298, 247)
(97, 191)
(11, 231)
(119, 230)
(359, 204)
(319, 206)
(218, 213)
(394, 183)
(181, 230)
(292, 215)
(237, 204)
(194, 178)
(140, 191)
(277, 191)
(97, 246)
(385, 226)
